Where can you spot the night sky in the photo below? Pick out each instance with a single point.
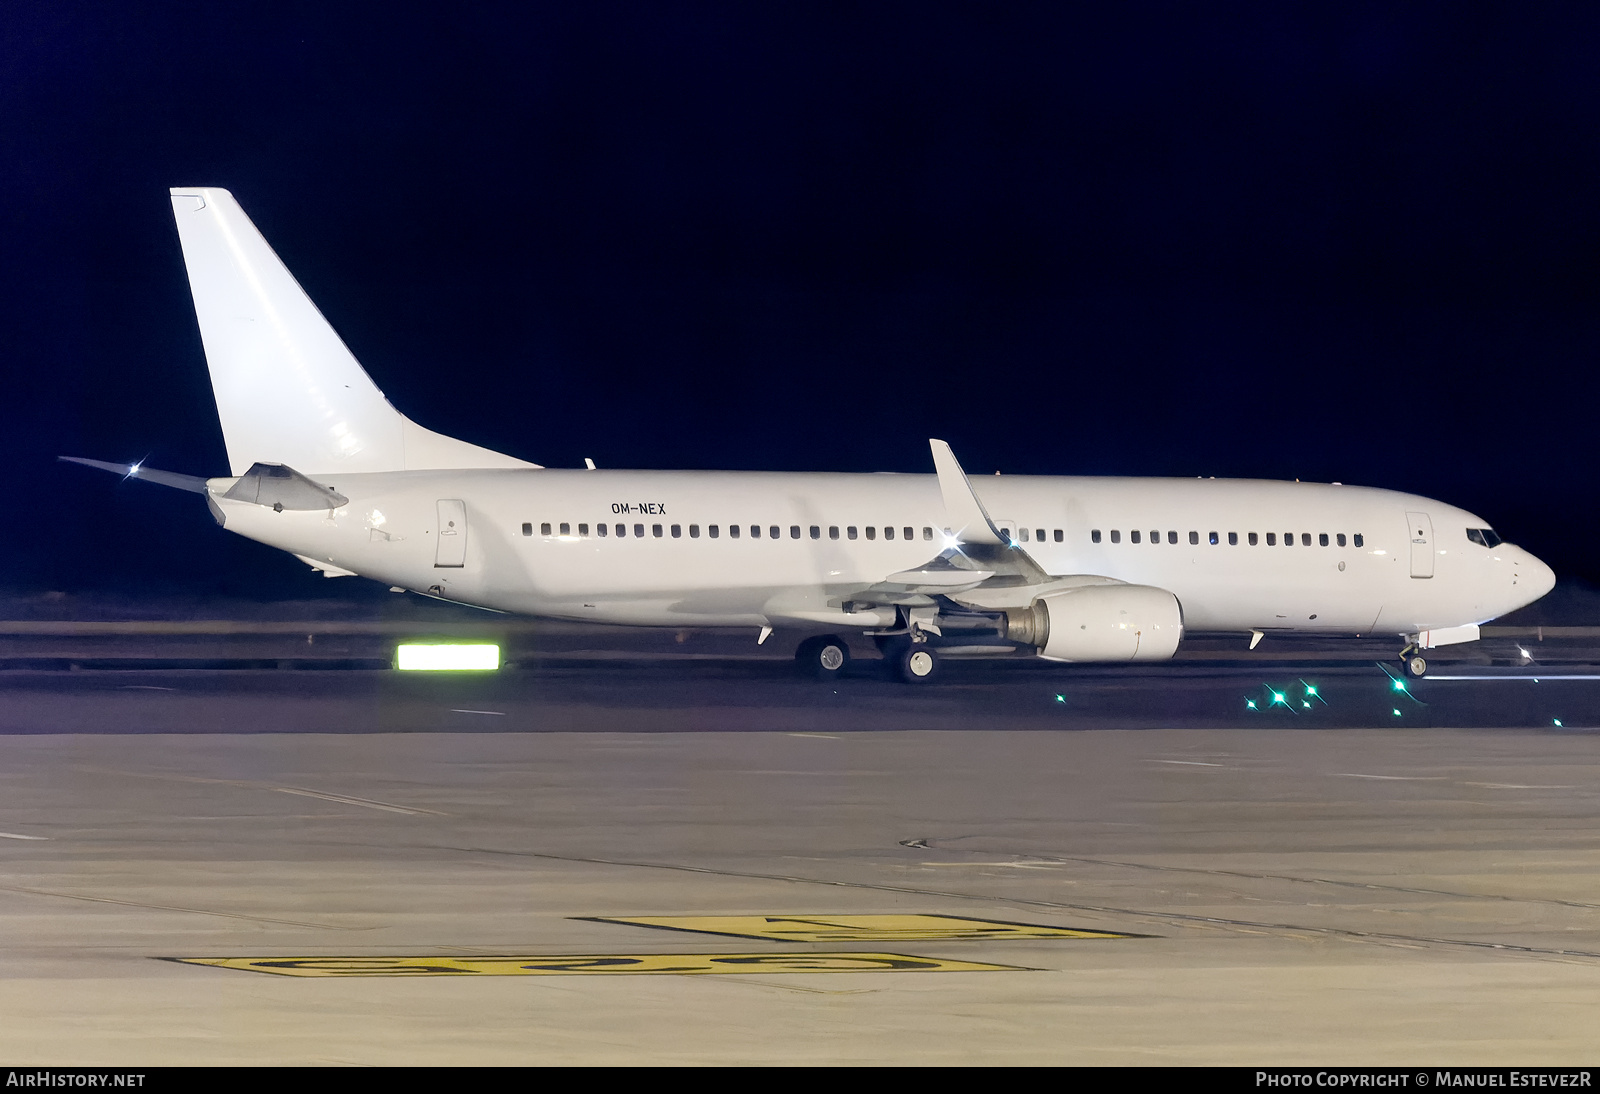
(1349, 242)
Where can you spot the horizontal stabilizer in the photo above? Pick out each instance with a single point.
(193, 483)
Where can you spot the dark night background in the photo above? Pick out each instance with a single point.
(1348, 242)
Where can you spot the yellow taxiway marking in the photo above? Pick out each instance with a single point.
(566, 964)
(856, 928)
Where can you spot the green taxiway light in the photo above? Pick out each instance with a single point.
(1557, 721)
(447, 657)
(1397, 712)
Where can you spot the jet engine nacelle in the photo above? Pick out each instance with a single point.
(1103, 623)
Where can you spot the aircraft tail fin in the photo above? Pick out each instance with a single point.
(288, 389)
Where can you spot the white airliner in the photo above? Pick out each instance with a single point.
(1071, 569)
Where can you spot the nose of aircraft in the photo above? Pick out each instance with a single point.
(1534, 578)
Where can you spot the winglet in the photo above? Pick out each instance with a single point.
(969, 521)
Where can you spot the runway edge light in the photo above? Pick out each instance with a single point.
(447, 656)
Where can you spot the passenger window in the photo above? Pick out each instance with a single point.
(1253, 541)
(1023, 535)
(1094, 536)
(677, 531)
(816, 531)
(1059, 535)
(1272, 539)
(1359, 540)
(908, 532)
(1005, 534)
(1288, 539)
(755, 531)
(1214, 539)
(733, 531)
(622, 531)
(1172, 537)
(638, 531)
(1194, 538)
(1305, 539)
(774, 532)
(1133, 536)
(566, 529)
(850, 532)
(794, 532)
(1155, 535)
(1116, 536)
(1233, 539)
(1340, 539)
(1322, 539)
(544, 529)
(872, 533)
(602, 529)
(888, 533)
(655, 530)
(527, 529)
(1038, 534)
(927, 533)
(713, 531)
(583, 529)
(833, 532)
(694, 531)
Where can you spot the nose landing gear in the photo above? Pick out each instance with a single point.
(1412, 663)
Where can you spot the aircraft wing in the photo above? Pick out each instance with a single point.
(979, 558)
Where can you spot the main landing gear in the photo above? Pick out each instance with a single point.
(913, 662)
(824, 656)
(918, 664)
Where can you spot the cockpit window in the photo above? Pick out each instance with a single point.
(1487, 537)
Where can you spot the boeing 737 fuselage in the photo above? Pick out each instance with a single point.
(1072, 569)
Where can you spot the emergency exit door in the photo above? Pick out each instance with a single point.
(452, 547)
(1420, 529)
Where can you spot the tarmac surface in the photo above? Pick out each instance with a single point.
(404, 870)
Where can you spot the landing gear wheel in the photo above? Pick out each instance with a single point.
(823, 657)
(918, 664)
(1414, 665)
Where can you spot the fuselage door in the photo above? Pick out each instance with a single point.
(452, 549)
(1419, 529)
